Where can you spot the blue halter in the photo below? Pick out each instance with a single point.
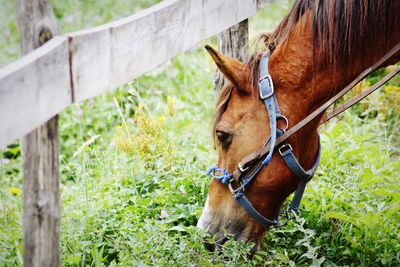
(267, 95)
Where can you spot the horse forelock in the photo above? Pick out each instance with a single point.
(221, 105)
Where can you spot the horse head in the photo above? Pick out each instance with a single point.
(241, 127)
(308, 65)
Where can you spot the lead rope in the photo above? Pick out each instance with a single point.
(220, 174)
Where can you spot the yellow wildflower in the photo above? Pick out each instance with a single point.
(160, 121)
(15, 191)
(171, 103)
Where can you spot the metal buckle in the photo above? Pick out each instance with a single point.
(271, 85)
(285, 146)
(234, 191)
(241, 168)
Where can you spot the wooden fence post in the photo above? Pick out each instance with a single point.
(232, 42)
(41, 220)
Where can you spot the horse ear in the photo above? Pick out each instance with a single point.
(235, 71)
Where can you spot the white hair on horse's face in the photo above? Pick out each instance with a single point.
(205, 218)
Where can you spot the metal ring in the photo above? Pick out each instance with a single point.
(284, 146)
(286, 122)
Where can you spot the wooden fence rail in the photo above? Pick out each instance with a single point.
(80, 65)
(83, 64)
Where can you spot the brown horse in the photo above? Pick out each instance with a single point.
(318, 48)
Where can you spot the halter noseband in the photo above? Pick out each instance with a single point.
(244, 175)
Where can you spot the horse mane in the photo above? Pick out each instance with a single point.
(338, 28)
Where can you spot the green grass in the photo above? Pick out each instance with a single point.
(123, 206)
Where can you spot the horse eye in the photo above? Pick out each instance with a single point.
(224, 138)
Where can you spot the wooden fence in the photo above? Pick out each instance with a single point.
(59, 70)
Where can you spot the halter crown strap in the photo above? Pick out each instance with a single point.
(298, 170)
(287, 154)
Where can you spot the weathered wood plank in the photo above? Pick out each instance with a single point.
(33, 89)
(106, 57)
(90, 63)
(40, 148)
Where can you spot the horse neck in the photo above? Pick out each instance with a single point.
(303, 86)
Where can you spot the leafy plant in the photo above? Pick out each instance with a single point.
(133, 161)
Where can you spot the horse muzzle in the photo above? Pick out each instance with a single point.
(230, 222)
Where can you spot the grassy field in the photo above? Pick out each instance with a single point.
(133, 162)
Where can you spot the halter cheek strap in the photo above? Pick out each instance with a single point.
(245, 177)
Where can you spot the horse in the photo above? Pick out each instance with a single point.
(318, 48)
